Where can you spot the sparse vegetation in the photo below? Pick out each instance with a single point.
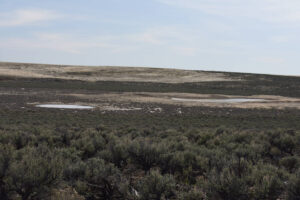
(202, 153)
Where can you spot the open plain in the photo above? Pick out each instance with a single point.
(147, 133)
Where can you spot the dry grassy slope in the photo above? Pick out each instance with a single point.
(258, 86)
(106, 73)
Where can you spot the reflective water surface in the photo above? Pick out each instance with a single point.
(64, 106)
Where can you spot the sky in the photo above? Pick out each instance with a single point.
(258, 36)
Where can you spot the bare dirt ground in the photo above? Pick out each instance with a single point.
(124, 101)
(106, 73)
(141, 101)
(137, 101)
(268, 101)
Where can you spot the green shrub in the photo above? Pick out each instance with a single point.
(268, 182)
(186, 166)
(293, 189)
(116, 154)
(144, 154)
(74, 171)
(155, 186)
(227, 184)
(34, 172)
(193, 194)
(291, 163)
(89, 144)
(6, 152)
(101, 181)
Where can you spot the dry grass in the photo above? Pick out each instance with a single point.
(166, 98)
(106, 73)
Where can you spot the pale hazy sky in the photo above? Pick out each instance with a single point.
(259, 36)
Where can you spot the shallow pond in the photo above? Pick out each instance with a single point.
(233, 100)
(64, 106)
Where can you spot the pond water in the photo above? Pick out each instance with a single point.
(233, 100)
(64, 106)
